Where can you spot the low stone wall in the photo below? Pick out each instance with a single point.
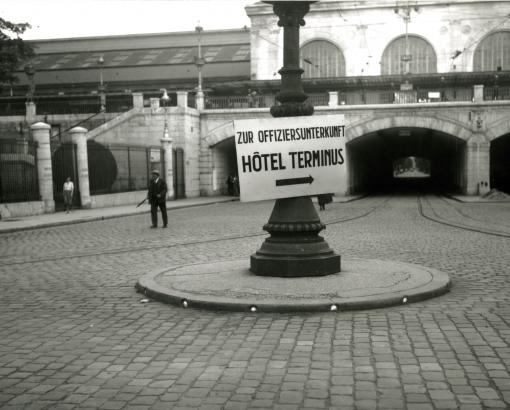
(122, 198)
(19, 209)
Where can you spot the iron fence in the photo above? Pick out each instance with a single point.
(12, 106)
(120, 168)
(239, 101)
(18, 171)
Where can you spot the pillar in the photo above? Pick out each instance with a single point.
(166, 144)
(79, 137)
(41, 134)
(333, 98)
(182, 99)
(477, 166)
(30, 112)
(154, 104)
(478, 93)
(200, 100)
(137, 100)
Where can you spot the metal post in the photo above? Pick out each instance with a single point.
(102, 96)
(166, 144)
(294, 248)
(199, 61)
(30, 72)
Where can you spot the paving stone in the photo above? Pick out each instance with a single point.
(75, 334)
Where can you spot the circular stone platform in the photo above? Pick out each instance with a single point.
(229, 285)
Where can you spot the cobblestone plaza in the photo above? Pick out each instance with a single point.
(75, 334)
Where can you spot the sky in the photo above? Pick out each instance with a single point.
(88, 18)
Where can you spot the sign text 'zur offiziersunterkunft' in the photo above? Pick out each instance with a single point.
(290, 156)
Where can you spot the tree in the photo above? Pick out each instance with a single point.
(13, 50)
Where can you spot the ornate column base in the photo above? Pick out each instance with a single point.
(295, 248)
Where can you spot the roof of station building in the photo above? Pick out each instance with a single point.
(225, 52)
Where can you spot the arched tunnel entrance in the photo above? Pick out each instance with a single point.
(500, 163)
(406, 159)
(225, 163)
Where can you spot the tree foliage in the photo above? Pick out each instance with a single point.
(13, 50)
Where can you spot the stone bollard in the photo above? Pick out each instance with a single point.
(30, 112)
(79, 137)
(200, 100)
(333, 98)
(478, 93)
(137, 100)
(182, 99)
(41, 134)
(166, 144)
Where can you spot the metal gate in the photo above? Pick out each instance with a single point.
(178, 165)
(64, 164)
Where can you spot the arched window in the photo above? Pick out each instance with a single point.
(320, 58)
(421, 56)
(493, 52)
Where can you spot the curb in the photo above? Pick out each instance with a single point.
(103, 217)
(148, 286)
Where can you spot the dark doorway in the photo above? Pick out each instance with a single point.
(64, 165)
(178, 171)
(500, 164)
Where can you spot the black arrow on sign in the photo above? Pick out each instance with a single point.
(294, 181)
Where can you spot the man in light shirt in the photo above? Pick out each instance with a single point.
(68, 194)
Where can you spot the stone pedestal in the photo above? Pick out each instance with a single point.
(166, 144)
(41, 134)
(137, 100)
(200, 100)
(30, 112)
(79, 137)
(478, 93)
(182, 98)
(333, 98)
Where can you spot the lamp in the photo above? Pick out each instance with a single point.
(166, 100)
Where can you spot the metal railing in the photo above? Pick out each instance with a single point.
(496, 93)
(18, 171)
(239, 101)
(54, 105)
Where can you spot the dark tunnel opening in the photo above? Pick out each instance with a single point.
(500, 164)
(435, 162)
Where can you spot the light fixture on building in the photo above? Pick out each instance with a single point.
(166, 99)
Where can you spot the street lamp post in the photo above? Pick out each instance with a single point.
(102, 96)
(199, 62)
(166, 99)
(30, 72)
(166, 144)
(294, 248)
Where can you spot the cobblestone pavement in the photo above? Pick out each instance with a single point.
(75, 334)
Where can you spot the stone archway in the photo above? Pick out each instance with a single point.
(445, 126)
(218, 159)
(373, 144)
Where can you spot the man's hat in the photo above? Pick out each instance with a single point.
(155, 171)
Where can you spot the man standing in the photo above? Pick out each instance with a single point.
(157, 198)
(68, 191)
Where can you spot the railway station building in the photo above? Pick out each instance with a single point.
(424, 87)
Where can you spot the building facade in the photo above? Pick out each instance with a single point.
(427, 80)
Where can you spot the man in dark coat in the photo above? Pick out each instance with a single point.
(157, 198)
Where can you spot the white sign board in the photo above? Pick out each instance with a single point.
(290, 156)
